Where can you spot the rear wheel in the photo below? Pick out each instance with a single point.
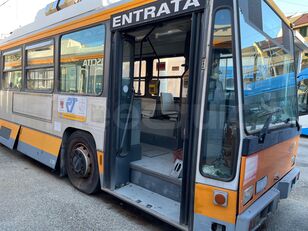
(81, 163)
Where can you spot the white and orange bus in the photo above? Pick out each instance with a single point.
(186, 109)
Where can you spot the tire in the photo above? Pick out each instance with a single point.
(81, 163)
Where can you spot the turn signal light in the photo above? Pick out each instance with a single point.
(221, 198)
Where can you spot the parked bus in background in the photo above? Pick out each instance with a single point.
(186, 109)
(302, 81)
(303, 100)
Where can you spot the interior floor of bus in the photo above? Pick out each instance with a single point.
(156, 159)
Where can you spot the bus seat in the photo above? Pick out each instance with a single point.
(148, 107)
(168, 106)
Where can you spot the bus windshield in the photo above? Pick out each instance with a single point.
(268, 72)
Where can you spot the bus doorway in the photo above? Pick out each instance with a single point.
(150, 114)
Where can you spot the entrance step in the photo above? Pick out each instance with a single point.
(151, 175)
(165, 208)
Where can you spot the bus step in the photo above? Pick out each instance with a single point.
(157, 182)
(168, 209)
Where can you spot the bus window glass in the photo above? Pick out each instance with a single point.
(40, 70)
(12, 80)
(219, 138)
(12, 76)
(143, 69)
(82, 61)
(40, 79)
(170, 74)
(169, 67)
(268, 70)
(40, 56)
(170, 85)
(136, 77)
(142, 86)
(12, 61)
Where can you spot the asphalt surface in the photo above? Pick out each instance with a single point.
(34, 198)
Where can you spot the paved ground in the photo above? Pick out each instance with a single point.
(33, 198)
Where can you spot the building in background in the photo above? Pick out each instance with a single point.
(300, 25)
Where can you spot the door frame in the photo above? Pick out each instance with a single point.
(196, 55)
(191, 134)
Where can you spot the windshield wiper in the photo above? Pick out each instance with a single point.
(298, 126)
(267, 123)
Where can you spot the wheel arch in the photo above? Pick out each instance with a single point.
(65, 137)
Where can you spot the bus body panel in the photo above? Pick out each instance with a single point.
(272, 163)
(303, 121)
(19, 111)
(37, 115)
(40, 146)
(8, 133)
(204, 204)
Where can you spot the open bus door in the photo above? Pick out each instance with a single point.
(121, 111)
(132, 172)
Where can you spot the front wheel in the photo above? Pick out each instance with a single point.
(81, 163)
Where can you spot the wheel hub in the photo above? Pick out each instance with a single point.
(81, 162)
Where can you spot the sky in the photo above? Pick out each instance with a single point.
(17, 13)
(290, 7)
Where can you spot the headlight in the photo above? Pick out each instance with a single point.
(248, 194)
(261, 185)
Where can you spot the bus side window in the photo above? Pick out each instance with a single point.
(139, 91)
(12, 70)
(40, 66)
(82, 61)
(220, 126)
(170, 72)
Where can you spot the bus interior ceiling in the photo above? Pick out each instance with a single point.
(161, 91)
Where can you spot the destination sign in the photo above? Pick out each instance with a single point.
(153, 11)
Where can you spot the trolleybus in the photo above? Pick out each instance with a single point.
(186, 109)
(302, 100)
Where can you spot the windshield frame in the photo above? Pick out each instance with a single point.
(281, 124)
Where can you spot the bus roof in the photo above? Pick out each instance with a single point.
(49, 24)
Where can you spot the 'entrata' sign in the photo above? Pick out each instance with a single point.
(156, 10)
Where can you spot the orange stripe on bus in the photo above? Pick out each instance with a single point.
(40, 61)
(82, 22)
(41, 141)
(204, 204)
(78, 58)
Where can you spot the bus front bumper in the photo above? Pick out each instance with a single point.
(258, 212)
